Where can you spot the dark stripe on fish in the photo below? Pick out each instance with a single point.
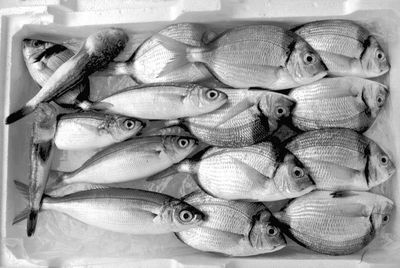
(47, 53)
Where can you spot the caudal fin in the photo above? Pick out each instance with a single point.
(15, 116)
(23, 189)
(31, 223)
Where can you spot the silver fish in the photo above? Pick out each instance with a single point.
(41, 156)
(99, 49)
(42, 59)
(342, 159)
(342, 102)
(162, 101)
(123, 210)
(130, 160)
(345, 47)
(249, 116)
(150, 58)
(251, 56)
(89, 130)
(258, 172)
(232, 228)
(335, 223)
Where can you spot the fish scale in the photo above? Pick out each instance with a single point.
(348, 47)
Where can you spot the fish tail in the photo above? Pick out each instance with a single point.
(15, 116)
(84, 105)
(115, 68)
(23, 189)
(98, 106)
(183, 54)
(31, 221)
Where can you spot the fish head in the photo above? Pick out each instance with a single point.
(291, 178)
(381, 212)
(122, 127)
(277, 106)
(380, 166)
(373, 59)
(178, 147)
(304, 64)
(264, 234)
(181, 215)
(374, 95)
(33, 49)
(106, 44)
(207, 99)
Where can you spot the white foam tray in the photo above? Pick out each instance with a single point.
(382, 17)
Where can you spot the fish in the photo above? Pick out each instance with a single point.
(342, 159)
(150, 58)
(162, 101)
(132, 159)
(233, 228)
(260, 172)
(335, 223)
(122, 210)
(263, 56)
(340, 102)
(346, 48)
(99, 49)
(249, 117)
(41, 157)
(90, 130)
(42, 59)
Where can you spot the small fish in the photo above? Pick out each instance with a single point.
(162, 101)
(342, 159)
(151, 57)
(41, 156)
(251, 56)
(345, 47)
(99, 49)
(249, 117)
(89, 130)
(233, 228)
(130, 160)
(258, 172)
(335, 224)
(341, 102)
(42, 59)
(122, 210)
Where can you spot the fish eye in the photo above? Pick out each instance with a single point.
(384, 160)
(385, 218)
(36, 43)
(186, 215)
(380, 55)
(212, 94)
(309, 58)
(120, 43)
(280, 111)
(182, 142)
(298, 172)
(129, 124)
(271, 230)
(380, 100)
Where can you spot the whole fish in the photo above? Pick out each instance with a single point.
(251, 56)
(249, 117)
(259, 172)
(342, 159)
(341, 102)
(123, 210)
(89, 130)
(162, 101)
(345, 47)
(151, 57)
(99, 49)
(130, 160)
(335, 223)
(42, 59)
(233, 228)
(41, 156)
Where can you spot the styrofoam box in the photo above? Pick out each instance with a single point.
(77, 19)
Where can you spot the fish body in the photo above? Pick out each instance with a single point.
(335, 223)
(99, 49)
(163, 101)
(252, 56)
(132, 159)
(346, 48)
(342, 159)
(122, 210)
(341, 102)
(41, 156)
(89, 130)
(232, 227)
